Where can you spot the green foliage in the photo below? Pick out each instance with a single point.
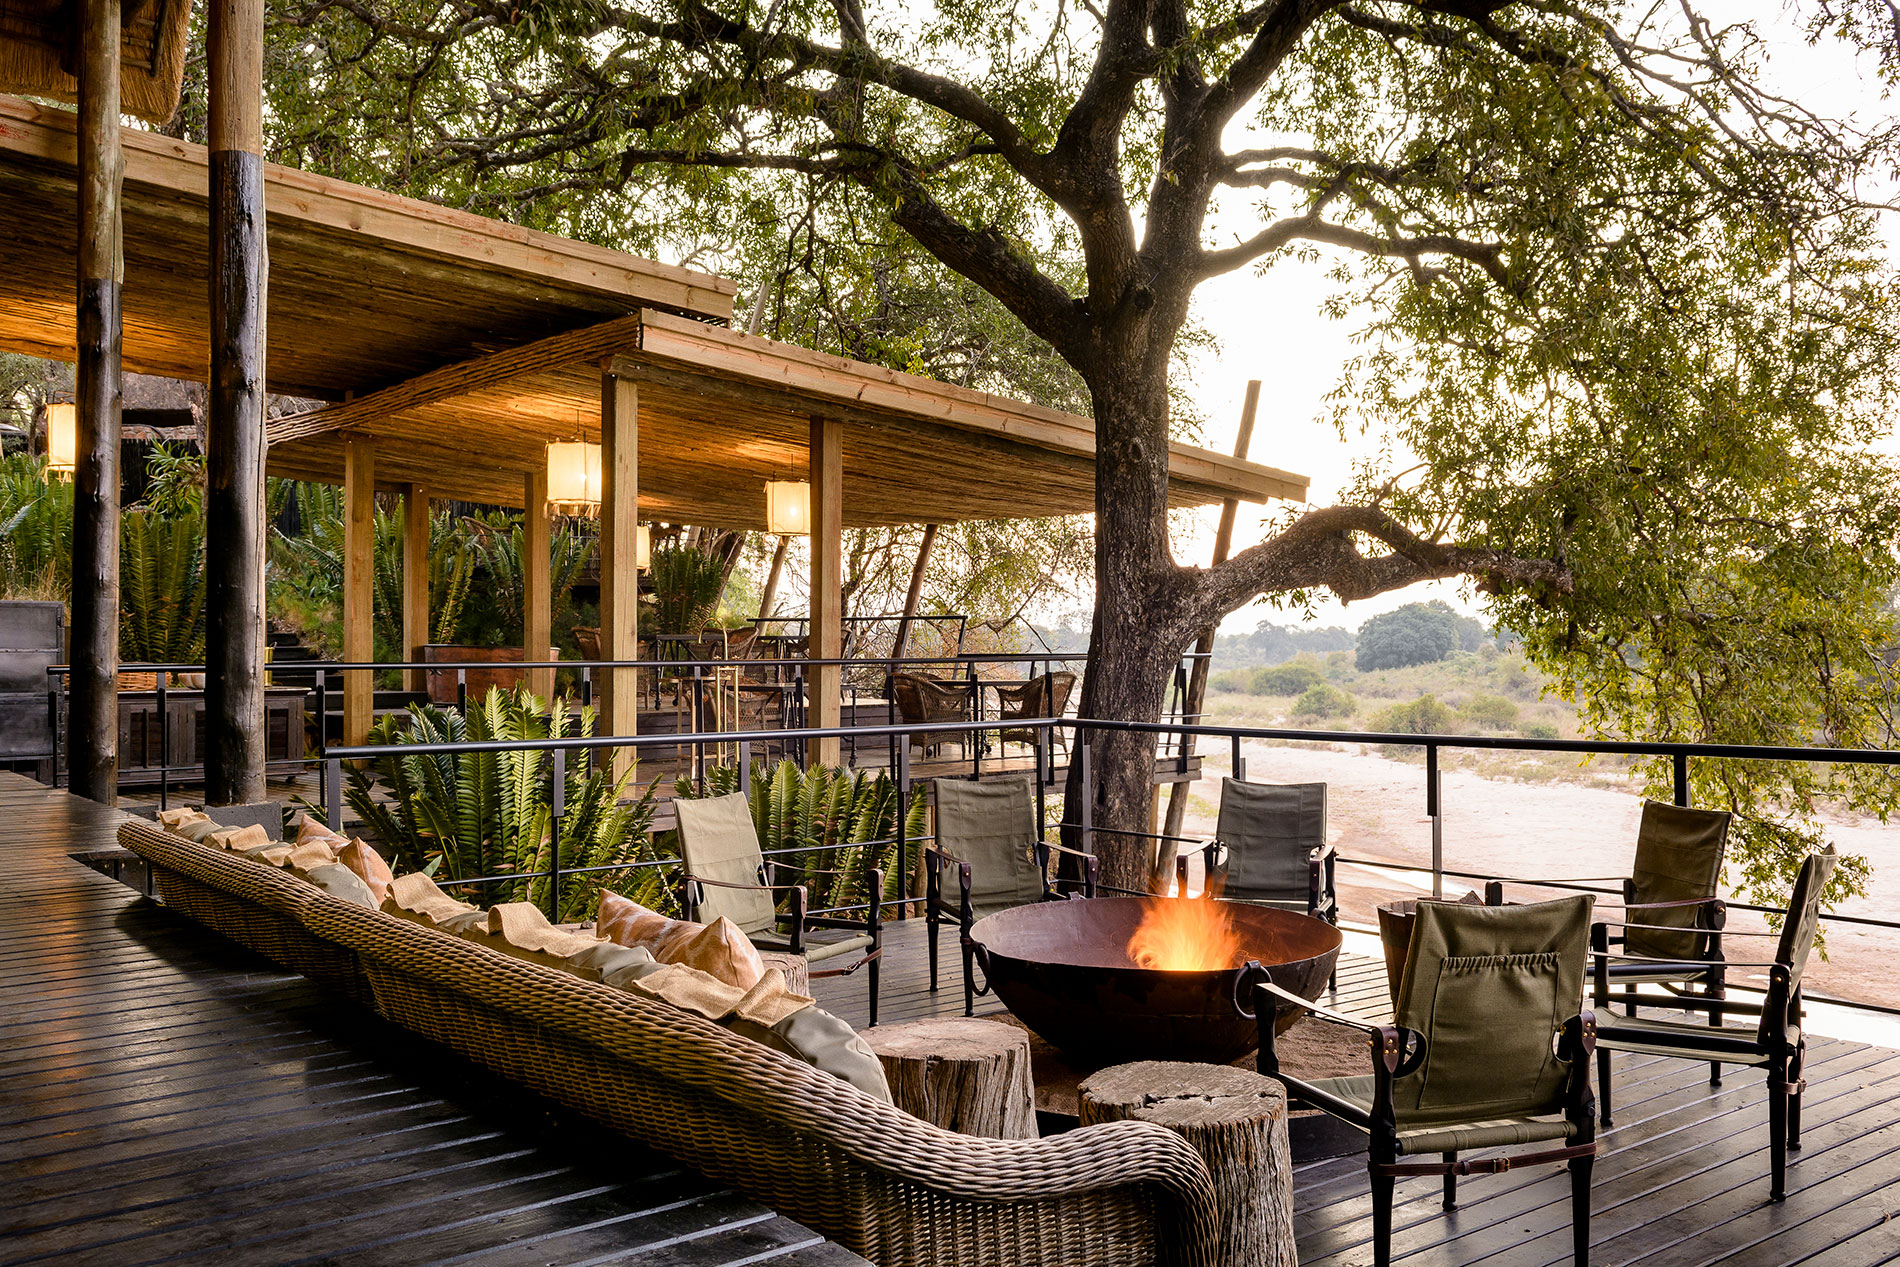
(1489, 712)
(686, 585)
(475, 814)
(1417, 633)
(1324, 700)
(1231, 681)
(1423, 716)
(1292, 678)
(836, 823)
(1542, 730)
(36, 531)
(161, 587)
(1272, 643)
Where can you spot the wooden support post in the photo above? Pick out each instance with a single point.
(916, 592)
(93, 708)
(1236, 1120)
(537, 617)
(619, 556)
(415, 582)
(234, 424)
(825, 683)
(359, 587)
(971, 1077)
(1178, 793)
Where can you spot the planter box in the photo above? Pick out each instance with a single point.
(442, 683)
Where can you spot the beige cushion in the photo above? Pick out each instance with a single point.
(766, 1003)
(416, 898)
(310, 828)
(176, 820)
(307, 857)
(237, 839)
(341, 882)
(718, 949)
(200, 828)
(600, 960)
(521, 930)
(825, 1042)
(274, 854)
(623, 920)
(369, 867)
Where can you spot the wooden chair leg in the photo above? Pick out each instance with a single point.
(873, 967)
(1777, 1131)
(1580, 1208)
(1382, 1220)
(931, 920)
(1794, 1099)
(1603, 1087)
(969, 980)
(1451, 1183)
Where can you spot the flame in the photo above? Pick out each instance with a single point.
(1185, 935)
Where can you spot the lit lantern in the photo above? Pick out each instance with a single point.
(573, 477)
(62, 438)
(643, 549)
(788, 508)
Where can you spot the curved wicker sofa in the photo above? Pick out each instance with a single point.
(861, 1172)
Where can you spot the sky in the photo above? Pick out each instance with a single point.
(1273, 329)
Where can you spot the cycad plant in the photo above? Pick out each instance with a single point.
(36, 530)
(687, 583)
(837, 822)
(162, 586)
(465, 815)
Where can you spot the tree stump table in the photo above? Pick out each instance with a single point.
(1237, 1121)
(964, 1075)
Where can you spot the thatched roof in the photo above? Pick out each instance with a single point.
(37, 39)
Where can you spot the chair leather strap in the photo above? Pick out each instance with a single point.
(1482, 1165)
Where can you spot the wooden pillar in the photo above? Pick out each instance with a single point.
(93, 707)
(537, 616)
(415, 582)
(234, 425)
(826, 683)
(769, 599)
(619, 555)
(916, 592)
(359, 587)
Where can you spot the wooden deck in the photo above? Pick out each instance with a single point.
(1682, 1182)
(167, 1097)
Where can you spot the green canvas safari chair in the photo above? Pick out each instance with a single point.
(727, 874)
(1489, 1048)
(1675, 938)
(1270, 848)
(1775, 1045)
(988, 834)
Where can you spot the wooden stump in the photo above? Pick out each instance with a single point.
(1236, 1120)
(797, 969)
(964, 1075)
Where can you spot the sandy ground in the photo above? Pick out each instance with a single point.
(1553, 830)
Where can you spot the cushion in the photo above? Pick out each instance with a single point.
(175, 820)
(273, 854)
(312, 828)
(200, 828)
(825, 1042)
(416, 898)
(369, 867)
(521, 930)
(718, 948)
(237, 839)
(341, 882)
(767, 1003)
(307, 857)
(623, 920)
(601, 960)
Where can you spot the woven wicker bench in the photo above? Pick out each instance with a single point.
(869, 1176)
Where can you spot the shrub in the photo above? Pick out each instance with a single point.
(1493, 711)
(1324, 700)
(1291, 678)
(1423, 716)
(1230, 681)
(1542, 730)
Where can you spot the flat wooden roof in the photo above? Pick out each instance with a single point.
(464, 345)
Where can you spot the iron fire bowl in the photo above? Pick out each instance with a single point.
(1063, 968)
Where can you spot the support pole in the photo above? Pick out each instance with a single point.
(234, 426)
(916, 592)
(619, 556)
(415, 582)
(359, 587)
(537, 590)
(1203, 648)
(93, 711)
(826, 682)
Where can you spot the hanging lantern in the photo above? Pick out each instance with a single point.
(643, 549)
(788, 508)
(573, 477)
(62, 438)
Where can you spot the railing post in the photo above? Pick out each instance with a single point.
(333, 794)
(903, 816)
(1432, 810)
(1682, 779)
(52, 728)
(699, 709)
(587, 685)
(557, 806)
(1087, 808)
(745, 766)
(461, 691)
(323, 708)
(164, 745)
(1239, 763)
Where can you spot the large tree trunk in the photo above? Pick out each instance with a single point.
(1139, 626)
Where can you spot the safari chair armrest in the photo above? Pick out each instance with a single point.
(1091, 867)
(1712, 903)
(1319, 1011)
(795, 917)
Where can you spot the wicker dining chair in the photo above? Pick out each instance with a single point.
(1670, 893)
(988, 832)
(1045, 695)
(726, 873)
(1488, 1049)
(1776, 1044)
(922, 700)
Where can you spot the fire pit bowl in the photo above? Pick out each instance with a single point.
(1065, 970)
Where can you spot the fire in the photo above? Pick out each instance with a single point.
(1185, 935)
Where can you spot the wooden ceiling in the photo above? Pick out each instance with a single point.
(36, 52)
(464, 345)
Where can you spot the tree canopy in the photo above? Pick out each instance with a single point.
(1630, 337)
